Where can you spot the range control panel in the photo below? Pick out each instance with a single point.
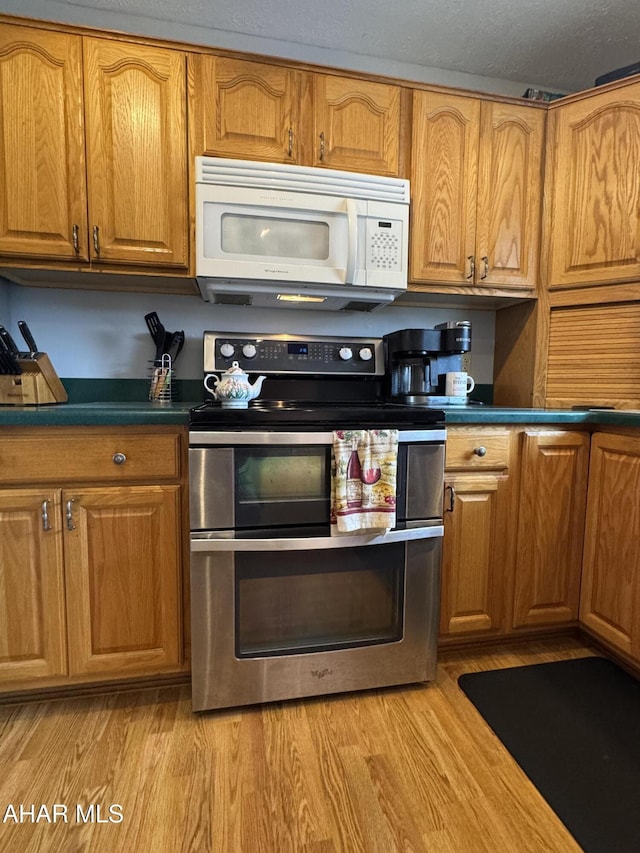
(294, 354)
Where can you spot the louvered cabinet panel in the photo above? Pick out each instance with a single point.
(594, 356)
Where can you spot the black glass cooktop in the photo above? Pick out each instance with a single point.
(314, 415)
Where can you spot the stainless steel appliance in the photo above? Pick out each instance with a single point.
(278, 235)
(418, 360)
(280, 607)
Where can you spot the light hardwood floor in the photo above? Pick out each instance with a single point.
(409, 769)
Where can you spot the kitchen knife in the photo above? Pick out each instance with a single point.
(9, 343)
(28, 338)
(8, 361)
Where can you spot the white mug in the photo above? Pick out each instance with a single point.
(459, 384)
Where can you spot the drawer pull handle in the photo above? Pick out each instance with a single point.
(70, 524)
(119, 458)
(45, 516)
(452, 498)
(480, 451)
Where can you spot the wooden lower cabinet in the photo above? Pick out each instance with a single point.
(610, 595)
(33, 642)
(91, 585)
(553, 490)
(477, 547)
(122, 585)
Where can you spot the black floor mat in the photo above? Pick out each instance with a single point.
(574, 728)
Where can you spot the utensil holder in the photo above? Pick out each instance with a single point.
(161, 388)
(37, 385)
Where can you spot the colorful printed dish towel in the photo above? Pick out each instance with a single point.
(363, 481)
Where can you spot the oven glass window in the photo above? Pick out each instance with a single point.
(282, 485)
(272, 237)
(309, 601)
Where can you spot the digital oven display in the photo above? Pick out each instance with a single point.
(298, 349)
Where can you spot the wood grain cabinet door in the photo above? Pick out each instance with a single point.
(32, 607)
(610, 595)
(246, 110)
(43, 202)
(444, 176)
(593, 165)
(472, 564)
(135, 102)
(509, 196)
(356, 125)
(122, 554)
(553, 495)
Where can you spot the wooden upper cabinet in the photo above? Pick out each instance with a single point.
(356, 125)
(593, 223)
(509, 195)
(135, 102)
(259, 111)
(43, 205)
(246, 109)
(476, 178)
(444, 179)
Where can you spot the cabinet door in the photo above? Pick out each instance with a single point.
(594, 205)
(610, 595)
(444, 178)
(43, 204)
(32, 607)
(136, 153)
(122, 557)
(550, 527)
(472, 557)
(509, 195)
(247, 110)
(356, 125)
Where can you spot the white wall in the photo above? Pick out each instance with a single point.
(99, 334)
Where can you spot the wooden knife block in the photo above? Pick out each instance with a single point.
(38, 384)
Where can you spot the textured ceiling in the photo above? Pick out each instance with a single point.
(561, 45)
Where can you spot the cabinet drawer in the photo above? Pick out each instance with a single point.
(89, 458)
(477, 449)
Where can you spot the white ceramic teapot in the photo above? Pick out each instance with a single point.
(233, 388)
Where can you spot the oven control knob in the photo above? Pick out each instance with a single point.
(249, 351)
(366, 354)
(227, 350)
(345, 353)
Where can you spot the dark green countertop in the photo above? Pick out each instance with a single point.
(125, 413)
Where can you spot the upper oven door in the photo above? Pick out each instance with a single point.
(263, 479)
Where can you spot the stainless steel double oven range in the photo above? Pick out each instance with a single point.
(280, 607)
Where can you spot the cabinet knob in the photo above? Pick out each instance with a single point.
(480, 451)
(119, 458)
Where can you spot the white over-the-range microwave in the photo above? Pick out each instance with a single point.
(275, 235)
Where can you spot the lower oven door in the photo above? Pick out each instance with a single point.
(283, 618)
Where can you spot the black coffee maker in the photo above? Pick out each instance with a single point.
(418, 360)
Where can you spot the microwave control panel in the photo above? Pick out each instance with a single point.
(288, 354)
(384, 245)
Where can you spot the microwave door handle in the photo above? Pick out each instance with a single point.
(352, 236)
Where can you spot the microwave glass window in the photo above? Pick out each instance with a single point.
(272, 237)
(299, 602)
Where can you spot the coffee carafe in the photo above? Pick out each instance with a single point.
(417, 361)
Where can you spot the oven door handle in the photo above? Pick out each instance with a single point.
(259, 437)
(203, 542)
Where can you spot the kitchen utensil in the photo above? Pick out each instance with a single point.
(8, 359)
(28, 338)
(176, 342)
(158, 333)
(9, 342)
